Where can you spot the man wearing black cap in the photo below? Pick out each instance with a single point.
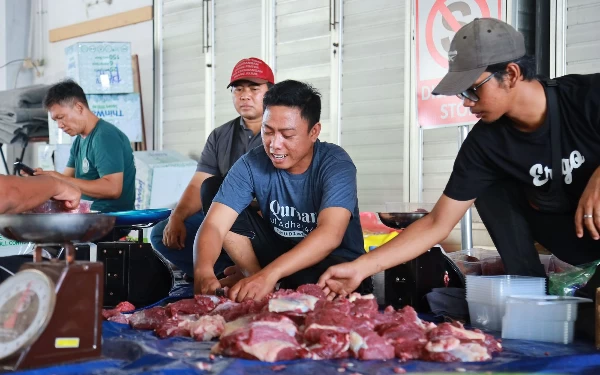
(174, 238)
(530, 164)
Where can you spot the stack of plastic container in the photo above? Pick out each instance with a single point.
(486, 296)
(541, 318)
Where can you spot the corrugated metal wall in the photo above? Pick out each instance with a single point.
(583, 36)
(237, 36)
(372, 114)
(183, 76)
(302, 46)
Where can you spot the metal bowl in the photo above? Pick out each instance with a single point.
(400, 220)
(55, 228)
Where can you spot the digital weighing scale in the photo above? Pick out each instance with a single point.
(50, 311)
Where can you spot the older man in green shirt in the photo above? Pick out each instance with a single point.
(101, 162)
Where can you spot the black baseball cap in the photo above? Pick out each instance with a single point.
(477, 45)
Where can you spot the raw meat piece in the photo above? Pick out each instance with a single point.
(340, 304)
(331, 345)
(232, 310)
(447, 329)
(121, 318)
(209, 302)
(405, 316)
(120, 308)
(125, 307)
(207, 327)
(450, 349)
(148, 319)
(173, 327)
(322, 321)
(312, 290)
(367, 345)
(197, 305)
(265, 340)
(363, 306)
(107, 314)
(408, 349)
(294, 302)
(268, 329)
(450, 343)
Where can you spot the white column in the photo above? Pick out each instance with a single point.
(209, 69)
(336, 17)
(268, 33)
(158, 74)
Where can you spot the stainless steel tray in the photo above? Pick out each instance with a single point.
(55, 228)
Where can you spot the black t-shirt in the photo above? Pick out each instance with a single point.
(498, 151)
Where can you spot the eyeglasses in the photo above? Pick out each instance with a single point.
(470, 93)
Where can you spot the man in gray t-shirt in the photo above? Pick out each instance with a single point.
(174, 238)
(306, 193)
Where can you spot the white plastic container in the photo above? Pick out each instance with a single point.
(495, 289)
(486, 296)
(485, 315)
(560, 331)
(541, 318)
(543, 307)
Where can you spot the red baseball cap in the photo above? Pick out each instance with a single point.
(253, 70)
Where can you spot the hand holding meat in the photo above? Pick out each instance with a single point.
(233, 274)
(588, 211)
(254, 287)
(341, 279)
(206, 285)
(69, 194)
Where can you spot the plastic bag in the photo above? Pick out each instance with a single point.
(52, 206)
(566, 283)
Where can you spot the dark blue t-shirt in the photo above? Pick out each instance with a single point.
(292, 202)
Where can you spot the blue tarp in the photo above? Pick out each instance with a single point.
(128, 351)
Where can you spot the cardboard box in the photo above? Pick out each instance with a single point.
(101, 67)
(161, 178)
(121, 110)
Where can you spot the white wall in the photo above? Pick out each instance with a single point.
(62, 13)
(14, 30)
(3, 44)
(582, 40)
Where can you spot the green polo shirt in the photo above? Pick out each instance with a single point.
(106, 150)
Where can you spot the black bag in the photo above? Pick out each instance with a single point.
(410, 282)
(134, 272)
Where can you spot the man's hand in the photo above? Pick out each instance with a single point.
(39, 172)
(174, 233)
(36, 171)
(206, 285)
(341, 279)
(233, 274)
(254, 287)
(69, 194)
(588, 210)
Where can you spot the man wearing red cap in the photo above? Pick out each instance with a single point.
(530, 165)
(174, 238)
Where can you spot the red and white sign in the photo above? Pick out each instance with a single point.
(437, 22)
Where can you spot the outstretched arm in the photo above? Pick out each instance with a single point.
(23, 194)
(412, 242)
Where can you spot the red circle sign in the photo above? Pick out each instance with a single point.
(441, 7)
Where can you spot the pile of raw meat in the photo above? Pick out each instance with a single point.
(303, 324)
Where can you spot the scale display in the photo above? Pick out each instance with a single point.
(27, 302)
